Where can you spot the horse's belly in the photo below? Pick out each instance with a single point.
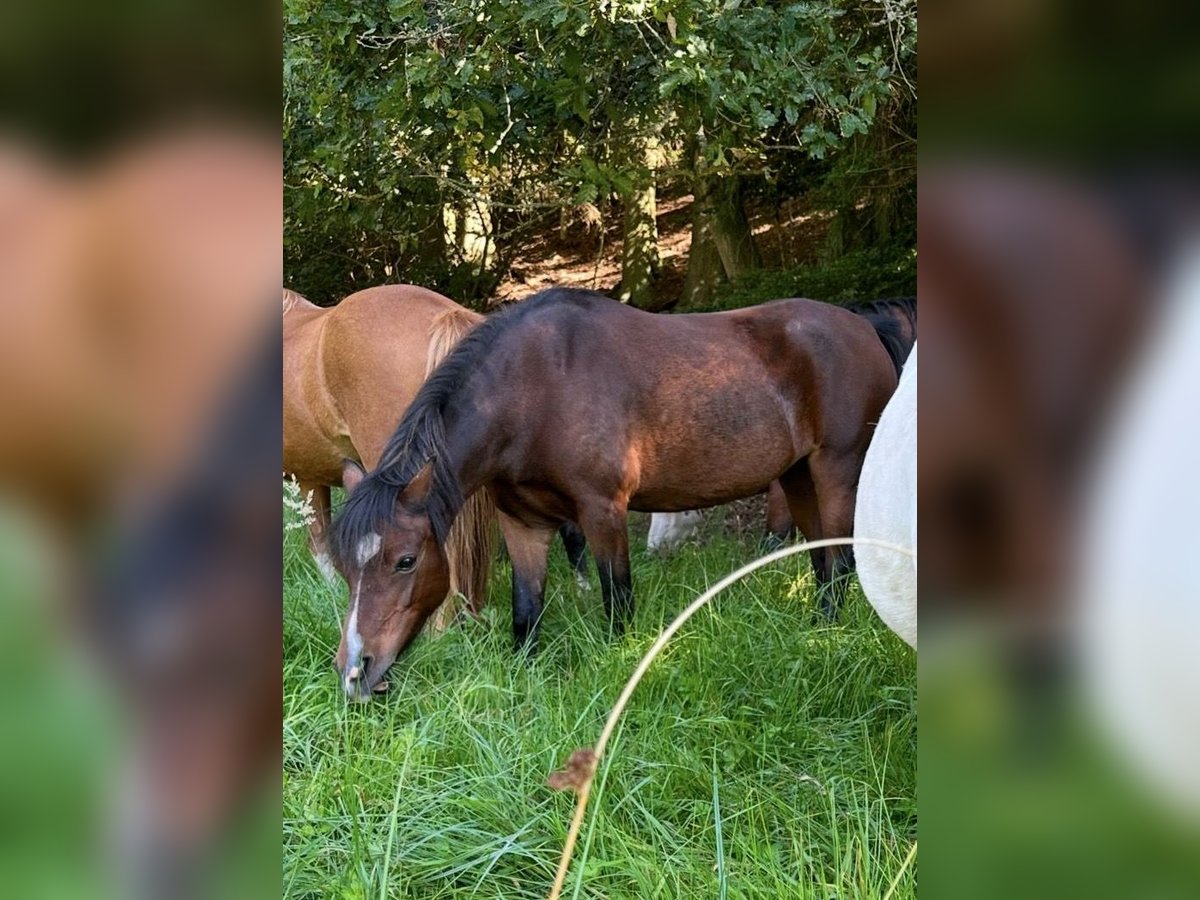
(693, 481)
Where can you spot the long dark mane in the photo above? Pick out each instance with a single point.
(420, 438)
(888, 318)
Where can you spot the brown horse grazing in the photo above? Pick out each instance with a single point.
(895, 322)
(574, 407)
(349, 372)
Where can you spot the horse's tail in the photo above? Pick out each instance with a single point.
(474, 537)
(895, 323)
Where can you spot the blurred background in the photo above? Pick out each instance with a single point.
(140, 222)
(1057, 234)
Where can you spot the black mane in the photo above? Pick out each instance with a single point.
(885, 317)
(420, 438)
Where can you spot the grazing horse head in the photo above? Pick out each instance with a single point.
(397, 571)
(391, 537)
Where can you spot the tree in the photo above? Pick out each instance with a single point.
(425, 140)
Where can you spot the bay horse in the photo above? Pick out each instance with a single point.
(571, 407)
(895, 321)
(349, 372)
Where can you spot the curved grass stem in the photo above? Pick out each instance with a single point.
(585, 763)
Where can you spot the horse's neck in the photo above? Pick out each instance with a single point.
(467, 449)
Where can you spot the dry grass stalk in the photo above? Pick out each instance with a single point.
(581, 768)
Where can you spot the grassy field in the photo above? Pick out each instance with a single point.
(762, 756)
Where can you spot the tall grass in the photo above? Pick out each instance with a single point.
(763, 755)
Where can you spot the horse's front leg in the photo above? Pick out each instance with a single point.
(576, 546)
(606, 528)
(318, 528)
(529, 550)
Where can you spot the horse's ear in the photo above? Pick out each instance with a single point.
(418, 488)
(352, 475)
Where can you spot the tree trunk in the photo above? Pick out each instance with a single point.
(469, 229)
(704, 261)
(731, 229)
(639, 248)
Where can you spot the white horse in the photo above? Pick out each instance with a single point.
(886, 510)
(1137, 580)
(669, 530)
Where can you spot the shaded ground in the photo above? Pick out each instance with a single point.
(583, 255)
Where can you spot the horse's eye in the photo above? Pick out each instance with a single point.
(406, 564)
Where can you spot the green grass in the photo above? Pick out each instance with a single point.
(762, 756)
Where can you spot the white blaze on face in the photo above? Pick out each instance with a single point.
(367, 548)
(366, 551)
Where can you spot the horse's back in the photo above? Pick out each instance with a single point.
(729, 399)
(791, 332)
(297, 303)
(389, 301)
(887, 510)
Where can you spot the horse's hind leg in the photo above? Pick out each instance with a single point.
(780, 524)
(529, 550)
(576, 546)
(605, 524)
(800, 495)
(318, 529)
(835, 477)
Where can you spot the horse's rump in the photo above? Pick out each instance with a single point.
(886, 509)
(895, 322)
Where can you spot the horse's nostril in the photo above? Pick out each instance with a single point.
(358, 672)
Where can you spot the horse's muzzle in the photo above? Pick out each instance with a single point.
(355, 679)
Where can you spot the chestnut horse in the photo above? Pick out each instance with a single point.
(349, 372)
(571, 407)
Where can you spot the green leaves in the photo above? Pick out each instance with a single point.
(428, 101)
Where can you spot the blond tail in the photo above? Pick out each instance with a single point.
(474, 537)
